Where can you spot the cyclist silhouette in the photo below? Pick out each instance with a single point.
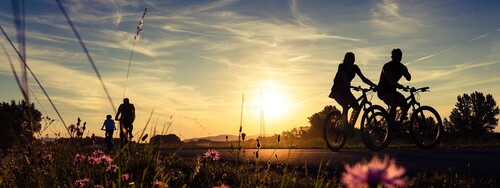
(127, 111)
(389, 78)
(341, 91)
(109, 127)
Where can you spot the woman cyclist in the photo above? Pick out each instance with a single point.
(341, 90)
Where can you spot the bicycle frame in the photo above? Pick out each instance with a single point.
(363, 102)
(412, 102)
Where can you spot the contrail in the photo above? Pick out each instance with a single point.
(448, 49)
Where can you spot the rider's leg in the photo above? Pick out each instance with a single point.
(355, 106)
(390, 99)
(130, 128)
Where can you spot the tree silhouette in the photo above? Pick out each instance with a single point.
(166, 139)
(18, 123)
(473, 115)
(318, 119)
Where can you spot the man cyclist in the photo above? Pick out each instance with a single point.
(127, 111)
(389, 78)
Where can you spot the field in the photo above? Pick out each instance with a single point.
(67, 163)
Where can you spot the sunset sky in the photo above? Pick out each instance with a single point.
(194, 60)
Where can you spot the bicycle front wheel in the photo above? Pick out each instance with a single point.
(375, 129)
(426, 127)
(333, 132)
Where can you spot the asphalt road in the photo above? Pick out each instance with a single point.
(466, 161)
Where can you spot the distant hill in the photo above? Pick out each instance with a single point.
(220, 138)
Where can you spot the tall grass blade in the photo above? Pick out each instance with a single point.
(146, 126)
(36, 79)
(139, 29)
(70, 23)
(15, 74)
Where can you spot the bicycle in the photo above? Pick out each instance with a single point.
(425, 125)
(334, 129)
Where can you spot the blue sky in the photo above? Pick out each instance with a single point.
(194, 59)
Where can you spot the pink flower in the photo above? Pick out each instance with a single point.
(375, 173)
(125, 177)
(79, 158)
(82, 182)
(212, 155)
(47, 157)
(106, 159)
(159, 184)
(98, 186)
(98, 153)
(222, 186)
(112, 168)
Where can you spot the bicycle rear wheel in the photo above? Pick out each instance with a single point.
(375, 129)
(426, 127)
(334, 132)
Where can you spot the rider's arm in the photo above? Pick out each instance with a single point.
(119, 111)
(406, 74)
(363, 78)
(104, 124)
(133, 111)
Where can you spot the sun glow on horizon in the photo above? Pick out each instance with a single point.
(274, 102)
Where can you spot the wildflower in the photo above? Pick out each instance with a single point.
(375, 173)
(79, 158)
(212, 155)
(125, 177)
(98, 153)
(112, 168)
(106, 159)
(159, 184)
(82, 182)
(94, 160)
(222, 186)
(72, 128)
(141, 23)
(144, 137)
(98, 186)
(243, 135)
(47, 157)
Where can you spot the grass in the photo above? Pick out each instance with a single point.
(55, 165)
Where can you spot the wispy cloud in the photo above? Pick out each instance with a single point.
(446, 72)
(294, 10)
(479, 37)
(118, 13)
(447, 49)
(388, 18)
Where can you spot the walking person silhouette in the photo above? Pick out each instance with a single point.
(126, 114)
(389, 78)
(341, 90)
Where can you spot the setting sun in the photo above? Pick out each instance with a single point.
(274, 102)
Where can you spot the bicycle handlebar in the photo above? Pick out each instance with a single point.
(359, 88)
(413, 89)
